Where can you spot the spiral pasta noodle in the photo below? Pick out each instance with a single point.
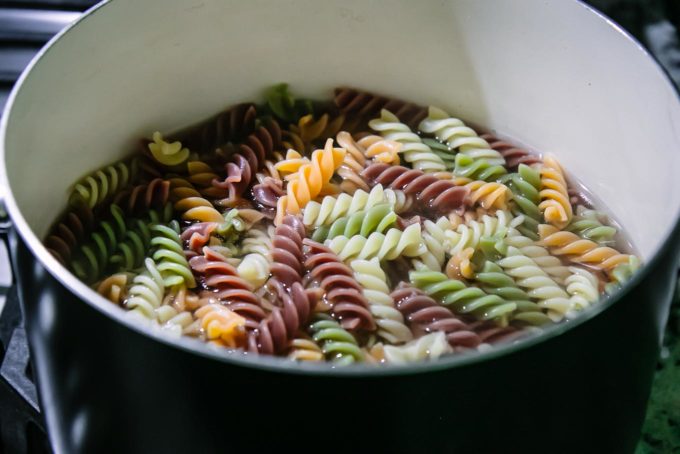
(169, 256)
(255, 266)
(417, 153)
(166, 153)
(303, 349)
(587, 224)
(114, 287)
(145, 196)
(315, 241)
(555, 204)
(389, 321)
(494, 281)
(311, 177)
(529, 276)
(223, 285)
(580, 250)
(525, 186)
(428, 347)
(333, 208)
(347, 302)
(475, 159)
(96, 188)
(539, 254)
(227, 126)
(437, 194)
(364, 104)
(514, 156)
(388, 246)
(463, 299)
(64, 235)
(337, 344)
(582, 287)
(376, 219)
(146, 292)
(428, 316)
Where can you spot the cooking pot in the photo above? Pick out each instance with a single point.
(552, 74)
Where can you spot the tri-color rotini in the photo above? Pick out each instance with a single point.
(357, 229)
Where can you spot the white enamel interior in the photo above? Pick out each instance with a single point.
(549, 73)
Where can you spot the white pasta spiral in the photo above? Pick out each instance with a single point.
(458, 136)
(414, 150)
(468, 235)
(539, 285)
(146, 293)
(430, 346)
(331, 208)
(389, 246)
(389, 320)
(256, 246)
(435, 240)
(583, 287)
(549, 263)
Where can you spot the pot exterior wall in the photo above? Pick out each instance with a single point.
(106, 388)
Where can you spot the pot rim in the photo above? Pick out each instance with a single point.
(277, 364)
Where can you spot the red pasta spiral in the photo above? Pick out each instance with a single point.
(197, 235)
(274, 333)
(437, 194)
(490, 333)
(343, 292)
(140, 198)
(267, 194)
(223, 284)
(513, 155)
(368, 105)
(66, 233)
(230, 125)
(246, 160)
(287, 251)
(424, 313)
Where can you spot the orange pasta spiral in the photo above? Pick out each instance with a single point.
(352, 165)
(555, 203)
(490, 196)
(311, 177)
(580, 250)
(222, 325)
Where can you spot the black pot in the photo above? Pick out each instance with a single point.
(584, 90)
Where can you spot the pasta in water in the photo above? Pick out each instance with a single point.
(361, 229)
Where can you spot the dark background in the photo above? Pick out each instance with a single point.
(24, 28)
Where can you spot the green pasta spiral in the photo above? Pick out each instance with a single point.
(621, 274)
(169, 256)
(462, 299)
(282, 104)
(493, 280)
(91, 258)
(95, 188)
(525, 186)
(376, 219)
(587, 224)
(337, 344)
(443, 151)
(133, 247)
(477, 168)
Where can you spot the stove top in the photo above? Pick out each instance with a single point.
(25, 26)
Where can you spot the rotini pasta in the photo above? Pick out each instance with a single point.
(580, 250)
(412, 238)
(311, 177)
(388, 246)
(389, 321)
(417, 153)
(95, 189)
(430, 346)
(166, 153)
(555, 204)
